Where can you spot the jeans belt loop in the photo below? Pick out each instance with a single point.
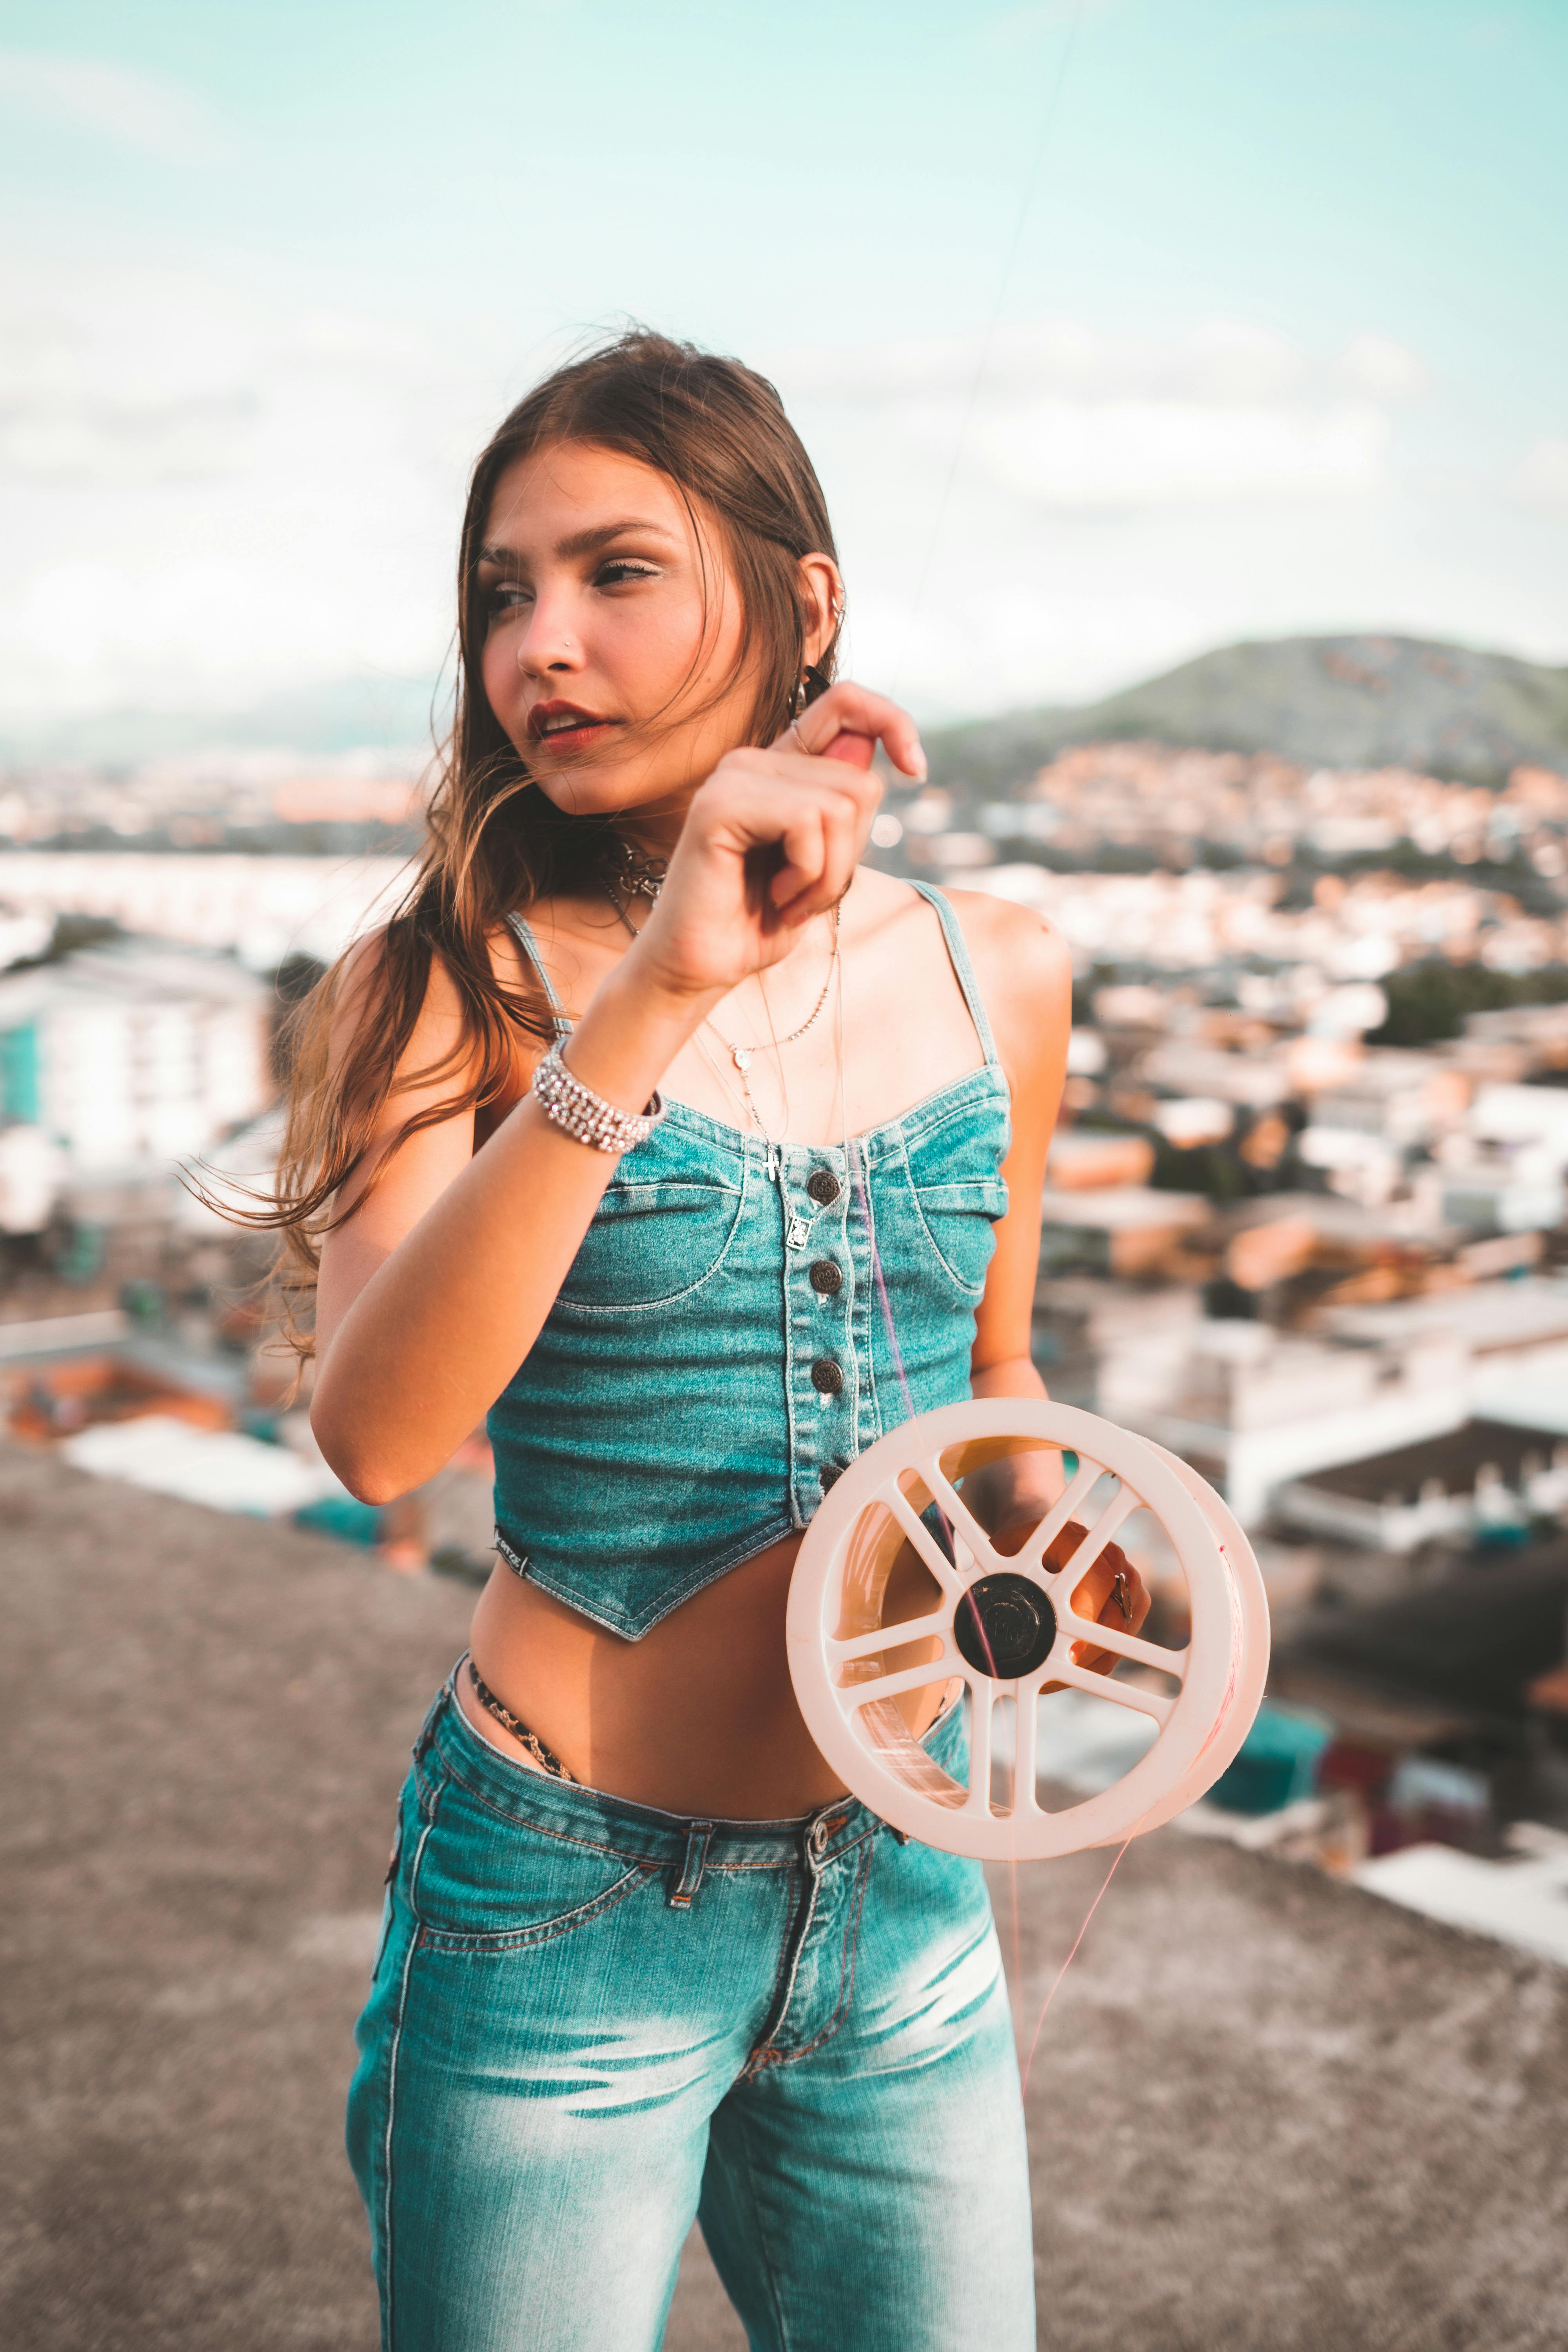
(697, 1835)
(428, 1729)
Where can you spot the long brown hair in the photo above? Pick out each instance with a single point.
(495, 843)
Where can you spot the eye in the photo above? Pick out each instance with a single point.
(621, 568)
(506, 596)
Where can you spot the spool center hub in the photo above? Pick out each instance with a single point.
(1005, 1626)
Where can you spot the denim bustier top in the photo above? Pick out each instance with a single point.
(718, 1351)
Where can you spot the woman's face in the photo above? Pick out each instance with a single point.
(613, 633)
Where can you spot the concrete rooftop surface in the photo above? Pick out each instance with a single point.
(1268, 2111)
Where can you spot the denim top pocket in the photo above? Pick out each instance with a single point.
(718, 1349)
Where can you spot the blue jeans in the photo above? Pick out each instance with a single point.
(591, 2021)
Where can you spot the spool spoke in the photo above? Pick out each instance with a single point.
(1086, 1478)
(924, 1542)
(888, 1637)
(982, 1702)
(1025, 1759)
(1132, 1694)
(1126, 1645)
(1114, 1516)
(909, 1678)
(948, 1500)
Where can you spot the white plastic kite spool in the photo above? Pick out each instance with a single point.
(849, 1676)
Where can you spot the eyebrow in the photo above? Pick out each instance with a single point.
(584, 542)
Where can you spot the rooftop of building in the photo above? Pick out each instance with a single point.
(1117, 1206)
(1455, 1460)
(1268, 2109)
(1485, 1316)
(1474, 1639)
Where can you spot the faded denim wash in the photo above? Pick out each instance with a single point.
(591, 2021)
(668, 1422)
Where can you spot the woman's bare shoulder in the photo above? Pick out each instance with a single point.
(364, 995)
(1024, 972)
(1019, 958)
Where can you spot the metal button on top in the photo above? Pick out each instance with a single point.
(820, 1833)
(822, 1186)
(827, 1376)
(825, 1277)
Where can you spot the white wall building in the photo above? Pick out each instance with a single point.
(1253, 1407)
(266, 907)
(125, 1059)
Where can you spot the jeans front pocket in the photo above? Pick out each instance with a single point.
(488, 1881)
(960, 1220)
(650, 1245)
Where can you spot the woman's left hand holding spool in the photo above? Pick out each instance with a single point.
(1111, 1591)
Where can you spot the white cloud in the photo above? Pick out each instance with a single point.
(1541, 476)
(1072, 419)
(140, 110)
(1120, 503)
(206, 495)
(1145, 453)
(1380, 368)
(1224, 359)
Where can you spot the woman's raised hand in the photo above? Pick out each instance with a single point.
(772, 839)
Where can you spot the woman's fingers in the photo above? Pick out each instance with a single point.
(842, 809)
(850, 709)
(1111, 1593)
(854, 750)
(804, 842)
(817, 872)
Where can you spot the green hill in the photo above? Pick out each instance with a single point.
(388, 713)
(1351, 701)
(1341, 702)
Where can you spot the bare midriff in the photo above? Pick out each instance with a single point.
(699, 1717)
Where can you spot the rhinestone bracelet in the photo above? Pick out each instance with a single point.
(586, 1117)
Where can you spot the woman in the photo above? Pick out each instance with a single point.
(643, 1956)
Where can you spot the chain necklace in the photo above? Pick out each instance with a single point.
(743, 1055)
(643, 877)
(798, 1227)
(747, 1106)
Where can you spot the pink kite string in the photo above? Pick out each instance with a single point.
(983, 364)
(1072, 1956)
(886, 1305)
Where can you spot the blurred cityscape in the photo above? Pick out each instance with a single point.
(1305, 1218)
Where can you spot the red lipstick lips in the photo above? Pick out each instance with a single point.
(564, 723)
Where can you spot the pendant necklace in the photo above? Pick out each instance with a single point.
(743, 1055)
(747, 1106)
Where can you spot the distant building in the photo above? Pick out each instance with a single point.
(1252, 1407)
(1486, 1475)
(1117, 1229)
(125, 1059)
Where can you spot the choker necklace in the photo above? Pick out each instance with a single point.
(632, 870)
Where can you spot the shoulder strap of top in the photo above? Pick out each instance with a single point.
(531, 950)
(961, 967)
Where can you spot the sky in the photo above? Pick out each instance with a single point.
(1118, 329)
